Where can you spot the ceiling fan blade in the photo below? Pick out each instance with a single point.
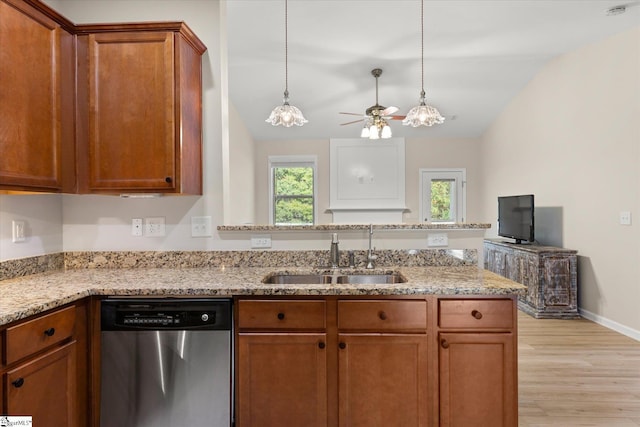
(349, 123)
(395, 117)
(352, 114)
(389, 110)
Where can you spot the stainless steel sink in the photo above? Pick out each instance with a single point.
(370, 279)
(354, 279)
(299, 279)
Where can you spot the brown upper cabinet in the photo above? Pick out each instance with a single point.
(100, 108)
(139, 109)
(36, 98)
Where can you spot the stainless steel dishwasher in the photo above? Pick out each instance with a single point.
(166, 362)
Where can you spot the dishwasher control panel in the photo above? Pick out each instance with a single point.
(164, 314)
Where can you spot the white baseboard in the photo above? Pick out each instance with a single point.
(607, 323)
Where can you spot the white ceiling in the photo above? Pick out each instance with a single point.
(478, 55)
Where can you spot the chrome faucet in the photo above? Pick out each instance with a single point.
(334, 255)
(370, 256)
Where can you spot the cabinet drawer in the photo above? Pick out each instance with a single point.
(383, 316)
(32, 336)
(281, 314)
(475, 313)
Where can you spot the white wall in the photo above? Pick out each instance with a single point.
(572, 137)
(242, 177)
(42, 214)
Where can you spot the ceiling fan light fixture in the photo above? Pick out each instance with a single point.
(365, 131)
(386, 131)
(423, 114)
(286, 115)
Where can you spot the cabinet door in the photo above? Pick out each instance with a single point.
(131, 97)
(36, 108)
(478, 380)
(282, 380)
(382, 380)
(45, 388)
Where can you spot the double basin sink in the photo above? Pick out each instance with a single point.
(353, 279)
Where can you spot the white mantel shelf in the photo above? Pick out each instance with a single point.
(342, 227)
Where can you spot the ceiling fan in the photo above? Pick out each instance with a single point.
(375, 117)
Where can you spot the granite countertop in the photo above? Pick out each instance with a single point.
(345, 227)
(29, 295)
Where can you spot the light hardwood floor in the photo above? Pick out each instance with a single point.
(576, 373)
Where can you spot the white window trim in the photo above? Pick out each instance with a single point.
(462, 209)
(290, 162)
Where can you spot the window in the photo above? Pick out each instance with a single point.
(293, 190)
(442, 195)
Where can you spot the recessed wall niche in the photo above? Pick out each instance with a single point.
(367, 180)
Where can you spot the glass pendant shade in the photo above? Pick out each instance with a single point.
(286, 115)
(423, 115)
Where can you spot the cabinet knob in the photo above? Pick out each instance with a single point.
(18, 383)
(476, 314)
(382, 315)
(342, 345)
(49, 332)
(168, 180)
(444, 343)
(321, 345)
(281, 316)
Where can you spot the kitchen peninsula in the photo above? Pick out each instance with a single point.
(446, 331)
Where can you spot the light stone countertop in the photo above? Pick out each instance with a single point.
(34, 294)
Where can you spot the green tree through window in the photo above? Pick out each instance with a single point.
(293, 195)
(441, 200)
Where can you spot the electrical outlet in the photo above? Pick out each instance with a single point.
(437, 239)
(625, 218)
(18, 231)
(263, 241)
(200, 226)
(136, 227)
(154, 227)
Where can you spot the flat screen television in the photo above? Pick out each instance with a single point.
(515, 218)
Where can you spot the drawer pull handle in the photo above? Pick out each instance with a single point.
(476, 314)
(281, 316)
(382, 315)
(168, 180)
(49, 332)
(342, 345)
(18, 383)
(444, 343)
(321, 345)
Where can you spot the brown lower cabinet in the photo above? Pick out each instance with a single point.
(45, 368)
(44, 388)
(376, 361)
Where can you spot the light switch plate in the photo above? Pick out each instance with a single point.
(136, 227)
(18, 231)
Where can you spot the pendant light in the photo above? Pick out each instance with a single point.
(286, 115)
(423, 114)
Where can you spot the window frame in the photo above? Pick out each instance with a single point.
(292, 162)
(461, 193)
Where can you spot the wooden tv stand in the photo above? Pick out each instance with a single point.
(549, 273)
